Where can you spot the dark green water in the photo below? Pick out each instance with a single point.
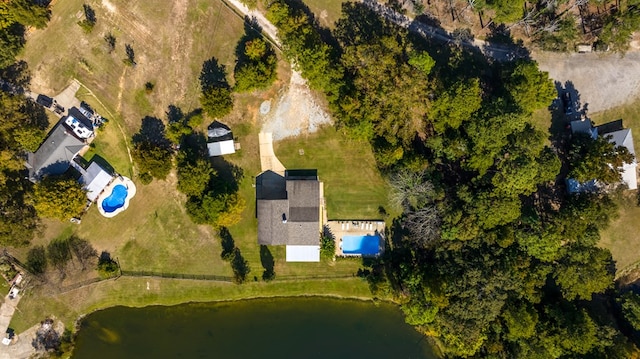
(266, 328)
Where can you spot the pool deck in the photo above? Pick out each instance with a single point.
(131, 192)
(339, 229)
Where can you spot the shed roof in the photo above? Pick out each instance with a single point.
(221, 148)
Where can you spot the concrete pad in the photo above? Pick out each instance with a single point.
(268, 159)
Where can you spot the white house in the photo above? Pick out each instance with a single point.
(617, 135)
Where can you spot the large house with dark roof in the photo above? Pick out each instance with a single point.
(289, 213)
(55, 154)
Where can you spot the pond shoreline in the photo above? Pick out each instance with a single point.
(223, 327)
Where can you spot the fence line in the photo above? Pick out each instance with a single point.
(209, 277)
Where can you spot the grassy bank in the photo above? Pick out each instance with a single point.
(133, 292)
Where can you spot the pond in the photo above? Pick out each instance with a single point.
(261, 328)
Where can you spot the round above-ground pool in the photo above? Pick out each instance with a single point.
(116, 196)
(115, 200)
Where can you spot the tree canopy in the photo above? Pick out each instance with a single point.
(60, 197)
(489, 256)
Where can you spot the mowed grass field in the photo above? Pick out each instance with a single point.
(353, 186)
(622, 238)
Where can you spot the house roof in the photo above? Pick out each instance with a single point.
(304, 200)
(610, 127)
(54, 154)
(625, 138)
(94, 179)
(221, 148)
(622, 138)
(584, 126)
(288, 209)
(619, 137)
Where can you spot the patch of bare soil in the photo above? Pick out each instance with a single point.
(296, 112)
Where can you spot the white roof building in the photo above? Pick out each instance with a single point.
(94, 179)
(629, 170)
(303, 253)
(221, 148)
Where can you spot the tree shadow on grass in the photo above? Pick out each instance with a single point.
(240, 267)
(152, 131)
(268, 263)
(228, 176)
(213, 75)
(228, 244)
(174, 114)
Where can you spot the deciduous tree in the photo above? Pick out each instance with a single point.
(59, 197)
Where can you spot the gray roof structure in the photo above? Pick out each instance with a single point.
(54, 154)
(288, 209)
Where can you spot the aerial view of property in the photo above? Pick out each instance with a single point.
(319, 179)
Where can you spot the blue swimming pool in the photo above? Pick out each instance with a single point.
(116, 199)
(363, 245)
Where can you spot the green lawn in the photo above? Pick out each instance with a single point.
(353, 186)
(326, 11)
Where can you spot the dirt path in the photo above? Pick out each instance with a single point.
(119, 108)
(180, 46)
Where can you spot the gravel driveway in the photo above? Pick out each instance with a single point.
(602, 80)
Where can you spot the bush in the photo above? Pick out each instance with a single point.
(107, 267)
(327, 247)
(148, 87)
(217, 101)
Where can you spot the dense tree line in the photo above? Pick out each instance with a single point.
(22, 122)
(489, 257)
(15, 16)
(22, 128)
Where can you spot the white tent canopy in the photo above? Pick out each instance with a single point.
(303, 253)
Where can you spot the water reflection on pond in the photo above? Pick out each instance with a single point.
(264, 328)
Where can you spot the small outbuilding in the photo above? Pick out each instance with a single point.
(220, 140)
